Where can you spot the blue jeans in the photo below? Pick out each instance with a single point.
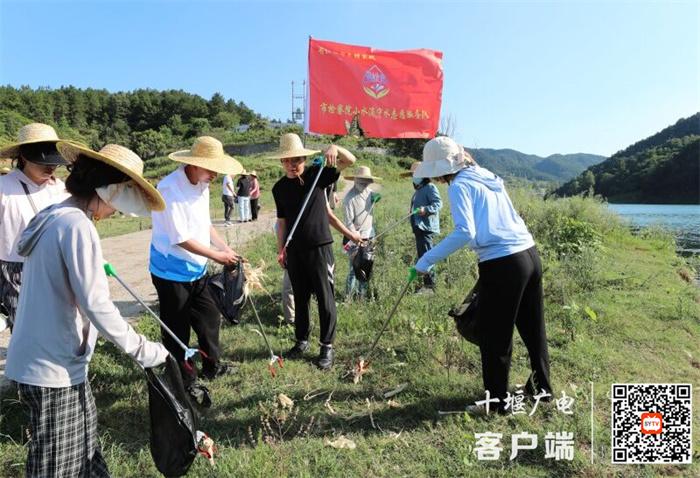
(424, 242)
(244, 208)
(355, 288)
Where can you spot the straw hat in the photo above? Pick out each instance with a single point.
(292, 147)
(409, 173)
(30, 134)
(253, 173)
(208, 153)
(363, 172)
(120, 158)
(441, 156)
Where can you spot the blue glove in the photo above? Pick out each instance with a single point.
(319, 161)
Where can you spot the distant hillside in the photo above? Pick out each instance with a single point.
(661, 169)
(557, 167)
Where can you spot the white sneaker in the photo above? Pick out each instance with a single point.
(3, 324)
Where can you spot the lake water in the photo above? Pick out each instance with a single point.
(683, 220)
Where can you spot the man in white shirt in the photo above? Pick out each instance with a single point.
(182, 242)
(227, 197)
(358, 209)
(24, 192)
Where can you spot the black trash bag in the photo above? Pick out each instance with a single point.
(363, 261)
(173, 420)
(465, 316)
(226, 288)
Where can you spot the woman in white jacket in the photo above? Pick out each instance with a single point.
(64, 304)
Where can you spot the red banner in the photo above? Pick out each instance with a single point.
(392, 94)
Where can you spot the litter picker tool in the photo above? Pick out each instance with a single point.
(388, 229)
(396, 224)
(275, 360)
(189, 352)
(362, 364)
(306, 201)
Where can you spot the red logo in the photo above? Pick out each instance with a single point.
(652, 423)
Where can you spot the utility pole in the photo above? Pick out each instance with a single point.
(298, 112)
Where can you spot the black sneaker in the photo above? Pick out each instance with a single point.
(298, 350)
(220, 369)
(199, 394)
(325, 358)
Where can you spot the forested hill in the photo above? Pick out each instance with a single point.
(148, 121)
(661, 169)
(557, 167)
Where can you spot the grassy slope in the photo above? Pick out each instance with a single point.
(648, 323)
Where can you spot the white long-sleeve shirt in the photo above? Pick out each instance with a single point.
(64, 303)
(357, 206)
(16, 210)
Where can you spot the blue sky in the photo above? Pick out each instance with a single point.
(539, 77)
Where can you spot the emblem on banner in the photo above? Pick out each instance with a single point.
(375, 83)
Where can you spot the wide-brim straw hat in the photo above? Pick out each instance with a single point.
(363, 172)
(441, 156)
(30, 134)
(253, 173)
(292, 147)
(409, 173)
(208, 153)
(120, 158)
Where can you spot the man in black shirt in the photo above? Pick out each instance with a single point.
(309, 256)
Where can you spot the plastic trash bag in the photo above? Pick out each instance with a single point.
(173, 420)
(465, 316)
(226, 288)
(363, 261)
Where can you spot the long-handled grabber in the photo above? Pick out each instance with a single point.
(362, 364)
(275, 360)
(396, 224)
(189, 352)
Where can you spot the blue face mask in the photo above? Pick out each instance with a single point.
(417, 181)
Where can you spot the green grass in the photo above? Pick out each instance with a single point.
(646, 329)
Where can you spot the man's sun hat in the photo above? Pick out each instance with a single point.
(120, 158)
(441, 156)
(208, 153)
(363, 172)
(292, 147)
(253, 173)
(409, 173)
(34, 134)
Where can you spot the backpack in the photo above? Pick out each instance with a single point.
(226, 288)
(465, 316)
(173, 420)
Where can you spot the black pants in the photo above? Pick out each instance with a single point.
(185, 305)
(254, 208)
(228, 206)
(424, 242)
(511, 295)
(311, 271)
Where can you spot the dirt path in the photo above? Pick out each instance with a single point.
(129, 255)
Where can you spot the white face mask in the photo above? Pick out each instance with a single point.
(361, 185)
(126, 197)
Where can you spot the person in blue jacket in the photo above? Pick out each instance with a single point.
(426, 222)
(510, 271)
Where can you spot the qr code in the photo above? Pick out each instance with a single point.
(651, 423)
